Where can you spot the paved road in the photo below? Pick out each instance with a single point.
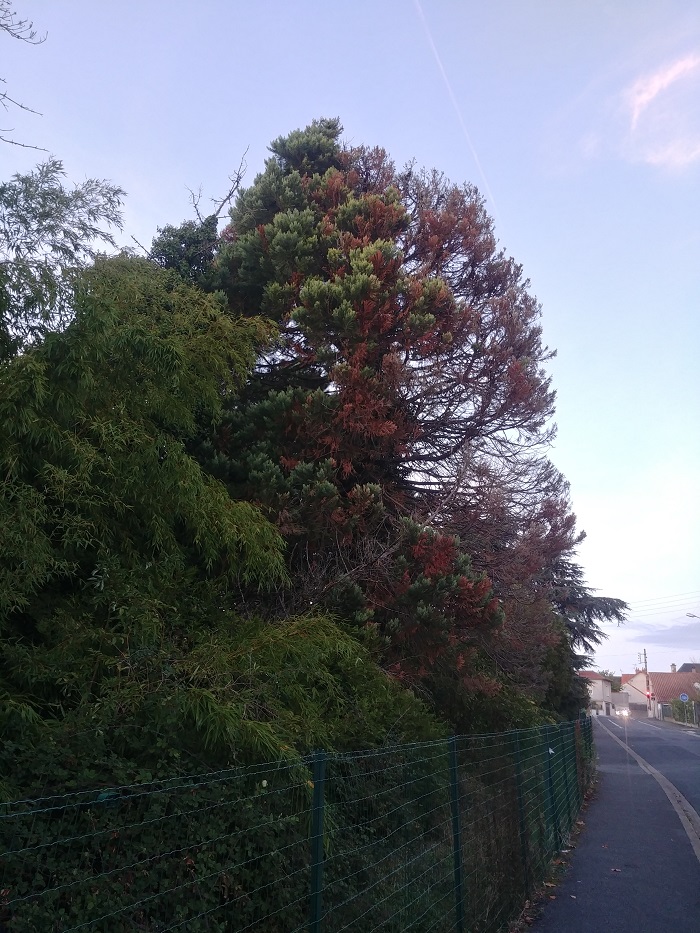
(673, 750)
(635, 869)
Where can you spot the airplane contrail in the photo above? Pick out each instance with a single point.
(453, 99)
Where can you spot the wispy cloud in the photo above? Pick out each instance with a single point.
(680, 636)
(676, 154)
(663, 115)
(643, 115)
(646, 89)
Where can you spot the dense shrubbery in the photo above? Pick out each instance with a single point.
(230, 851)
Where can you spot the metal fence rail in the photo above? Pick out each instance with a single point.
(437, 836)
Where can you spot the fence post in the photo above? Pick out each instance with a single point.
(565, 764)
(456, 835)
(522, 813)
(550, 789)
(319, 779)
(589, 736)
(578, 763)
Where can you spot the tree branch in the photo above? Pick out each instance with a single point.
(235, 180)
(22, 29)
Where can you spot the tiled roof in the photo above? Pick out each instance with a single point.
(667, 687)
(627, 677)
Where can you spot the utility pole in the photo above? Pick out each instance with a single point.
(646, 672)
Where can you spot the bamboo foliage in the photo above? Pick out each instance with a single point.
(122, 588)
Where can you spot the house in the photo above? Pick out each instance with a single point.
(599, 692)
(663, 688)
(669, 687)
(636, 686)
(691, 668)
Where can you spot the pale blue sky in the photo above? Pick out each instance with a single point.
(578, 120)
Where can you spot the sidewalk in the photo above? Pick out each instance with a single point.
(634, 870)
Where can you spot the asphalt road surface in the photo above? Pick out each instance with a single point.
(636, 868)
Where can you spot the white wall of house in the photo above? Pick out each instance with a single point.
(637, 688)
(601, 696)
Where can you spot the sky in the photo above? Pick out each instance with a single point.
(580, 124)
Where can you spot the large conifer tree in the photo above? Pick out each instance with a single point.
(396, 429)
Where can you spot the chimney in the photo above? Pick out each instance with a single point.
(673, 668)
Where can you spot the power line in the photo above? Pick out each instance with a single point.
(684, 605)
(643, 603)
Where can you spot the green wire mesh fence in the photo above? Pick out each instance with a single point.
(437, 836)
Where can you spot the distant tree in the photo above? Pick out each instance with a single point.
(580, 608)
(188, 249)
(191, 247)
(516, 521)
(615, 679)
